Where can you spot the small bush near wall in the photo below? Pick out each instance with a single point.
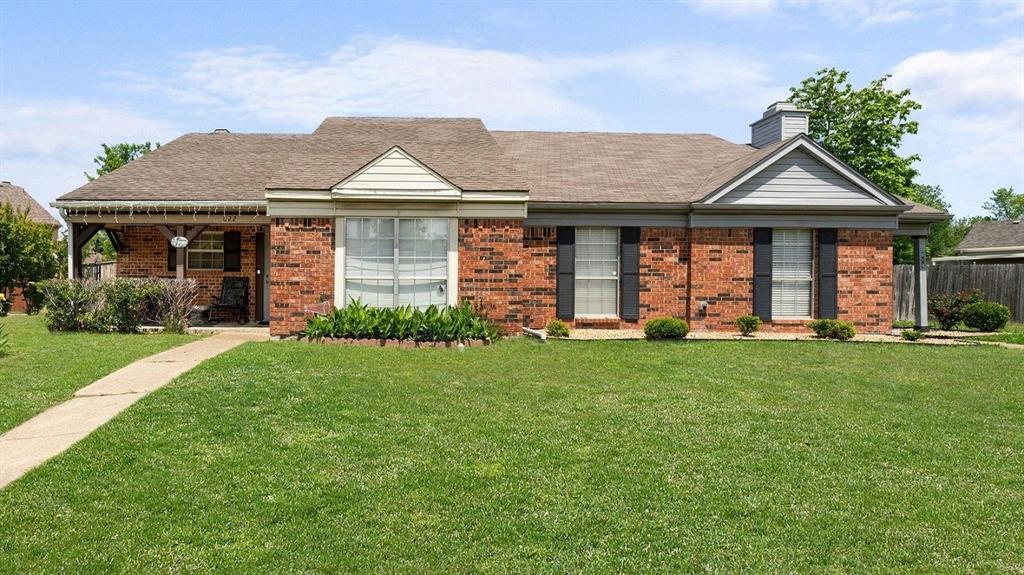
(557, 328)
(121, 304)
(986, 316)
(33, 298)
(748, 324)
(832, 329)
(948, 309)
(666, 328)
(433, 324)
(911, 335)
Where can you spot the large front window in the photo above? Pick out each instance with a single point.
(392, 262)
(206, 252)
(792, 273)
(597, 272)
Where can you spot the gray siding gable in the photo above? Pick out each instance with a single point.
(799, 179)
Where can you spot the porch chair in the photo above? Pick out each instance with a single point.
(234, 295)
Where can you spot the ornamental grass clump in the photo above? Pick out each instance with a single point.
(666, 328)
(833, 329)
(358, 320)
(748, 324)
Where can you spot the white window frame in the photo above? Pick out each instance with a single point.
(810, 278)
(340, 237)
(190, 250)
(617, 278)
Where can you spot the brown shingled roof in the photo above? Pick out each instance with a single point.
(618, 167)
(461, 150)
(20, 199)
(1000, 234)
(196, 167)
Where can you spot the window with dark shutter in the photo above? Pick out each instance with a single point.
(565, 294)
(763, 273)
(629, 282)
(232, 251)
(828, 265)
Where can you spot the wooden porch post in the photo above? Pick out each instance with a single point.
(72, 260)
(180, 259)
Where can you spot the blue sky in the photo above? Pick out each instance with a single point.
(74, 75)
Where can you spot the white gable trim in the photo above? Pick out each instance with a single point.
(408, 178)
(812, 148)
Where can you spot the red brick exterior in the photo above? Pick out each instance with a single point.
(301, 270)
(144, 255)
(722, 274)
(865, 279)
(508, 272)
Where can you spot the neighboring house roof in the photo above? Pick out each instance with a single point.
(461, 150)
(19, 198)
(614, 167)
(987, 235)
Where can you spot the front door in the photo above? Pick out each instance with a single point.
(263, 276)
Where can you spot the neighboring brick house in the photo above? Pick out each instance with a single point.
(21, 200)
(600, 229)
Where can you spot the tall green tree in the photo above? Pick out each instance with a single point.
(28, 250)
(1004, 204)
(118, 155)
(862, 127)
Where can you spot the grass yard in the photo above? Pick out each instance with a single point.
(1014, 333)
(42, 369)
(597, 457)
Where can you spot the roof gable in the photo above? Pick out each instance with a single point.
(797, 171)
(21, 200)
(396, 173)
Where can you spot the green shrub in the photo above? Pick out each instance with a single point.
(360, 321)
(34, 299)
(911, 335)
(71, 305)
(4, 340)
(832, 329)
(666, 328)
(557, 328)
(748, 324)
(903, 324)
(122, 304)
(123, 301)
(948, 309)
(986, 316)
(174, 301)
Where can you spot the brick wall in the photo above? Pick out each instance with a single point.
(722, 274)
(865, 279)
(491, 269)
(145, 256)
(301, 270)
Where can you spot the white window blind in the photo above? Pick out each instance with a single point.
(206, 252)
(792, 273)
(597, 271)
(393, 262)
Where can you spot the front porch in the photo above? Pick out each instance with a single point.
(205, 247)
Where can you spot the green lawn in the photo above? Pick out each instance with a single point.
(42, 369)
(1014, 333)
(597, 457)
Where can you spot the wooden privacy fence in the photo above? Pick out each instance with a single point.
(1003, 283)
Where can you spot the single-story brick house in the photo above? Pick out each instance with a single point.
(600, 229)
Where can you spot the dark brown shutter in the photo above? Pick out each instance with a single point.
(828, 286)
(565, 288)
(172, 257)
(629, 282)
(763, 273)
(232, 251)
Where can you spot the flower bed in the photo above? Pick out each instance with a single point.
(404, 343)
(359, 324)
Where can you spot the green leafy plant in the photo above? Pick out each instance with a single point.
(123, 301)
(70, 304)
(986, 315)
(557, 328)
(122, 304)
(748, 324)
(666, 328)
(911, 335)
(948, 309)
(358, 320)
(833, 329)
(33, 298)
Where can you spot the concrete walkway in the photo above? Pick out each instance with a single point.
(58, 428)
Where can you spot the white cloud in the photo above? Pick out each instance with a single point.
(1002, 11)
(398, 76)
(952, 80)
(848, 13)
(45, 145)
(735, 9)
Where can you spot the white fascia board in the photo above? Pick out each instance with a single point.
(822, 155)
